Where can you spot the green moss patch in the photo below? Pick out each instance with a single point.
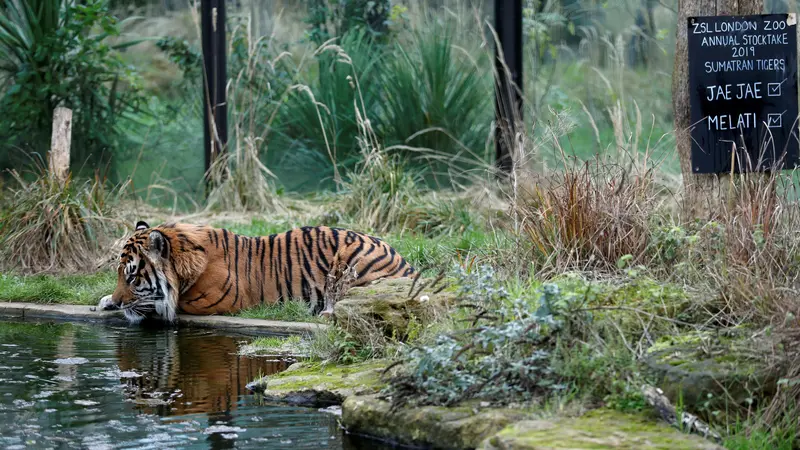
(599, 429)
(715, 369)
(385, 307)
(318, 384)
(646, 294)
(437, 426)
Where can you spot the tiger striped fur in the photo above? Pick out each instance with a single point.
(203, 270)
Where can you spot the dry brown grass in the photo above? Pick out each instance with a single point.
(587, 217)
(48, 226)
(755, 267)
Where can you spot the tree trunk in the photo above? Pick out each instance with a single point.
(702, 193)
(58, 158)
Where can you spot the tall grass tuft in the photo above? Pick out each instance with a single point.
(749, 255)
(318, 123)
(239, 178)
(588, 216)
(49, 226)
(437, 97)
(379, 194)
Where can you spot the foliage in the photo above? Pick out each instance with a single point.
(290, 311)
(588, 216)
(319, 122)
(51, 56)
(336, 345)
(70, 289)
(328, 19)
(377, 196)
(383, 193)
(239, 178)
(48, 225)
(503, 357)
(437, 104)
(187, 58)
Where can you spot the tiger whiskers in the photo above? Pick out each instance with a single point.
(134, 312)
(139, 309)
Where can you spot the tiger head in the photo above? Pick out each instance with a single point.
(148, 279)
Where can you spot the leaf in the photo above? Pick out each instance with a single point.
(623, 261)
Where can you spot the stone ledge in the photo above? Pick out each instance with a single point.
(20, 310)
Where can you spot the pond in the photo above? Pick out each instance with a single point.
(67, 385)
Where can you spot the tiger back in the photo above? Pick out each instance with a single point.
(204, 270)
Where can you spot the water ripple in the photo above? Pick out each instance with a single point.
(88, 386)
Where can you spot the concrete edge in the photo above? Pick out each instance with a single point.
(84, 313)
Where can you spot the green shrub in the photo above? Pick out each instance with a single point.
(336, 345)
(438, 99)
(54, 53)
(331, 19)
(319, 126)
(503, 357)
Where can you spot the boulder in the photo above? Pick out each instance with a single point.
(713, 369)
(319, 385)
(595, 429)
(387, 306)
(458, 427)
(472, 426)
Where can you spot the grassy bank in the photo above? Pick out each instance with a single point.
(69, 289)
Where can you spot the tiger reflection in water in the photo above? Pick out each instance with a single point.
(187, 372)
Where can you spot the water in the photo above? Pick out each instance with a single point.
(68, 385)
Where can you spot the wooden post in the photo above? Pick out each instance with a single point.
(58, 158)
(215, 117)
(508, 93)
(702, 193)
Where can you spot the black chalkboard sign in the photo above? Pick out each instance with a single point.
(743, 92)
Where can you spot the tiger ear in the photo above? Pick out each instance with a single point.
(142, 225)
(159, 244)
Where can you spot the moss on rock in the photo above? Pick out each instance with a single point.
(320, 385)
(714, 369)
(437, 426)
(599, 429)
(387, 306)
(492, 428)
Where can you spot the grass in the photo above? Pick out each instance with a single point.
(68, 289)
(273, 345)
(57, 225)
(275, 341)
(289, 311)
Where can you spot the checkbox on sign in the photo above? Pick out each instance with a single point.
(774, 89)
(774, 120)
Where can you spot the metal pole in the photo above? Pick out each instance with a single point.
(215, 117)
(508, 93)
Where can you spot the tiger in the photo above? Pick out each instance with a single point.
(202, 270)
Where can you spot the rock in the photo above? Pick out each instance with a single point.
(386, 304)
(437, 426)
(596, 429)
(319, 385)
(712, 369)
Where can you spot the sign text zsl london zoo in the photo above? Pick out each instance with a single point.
(743, 92)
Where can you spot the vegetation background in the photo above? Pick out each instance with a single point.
(131, 73)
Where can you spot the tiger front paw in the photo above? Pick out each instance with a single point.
(107, 304)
